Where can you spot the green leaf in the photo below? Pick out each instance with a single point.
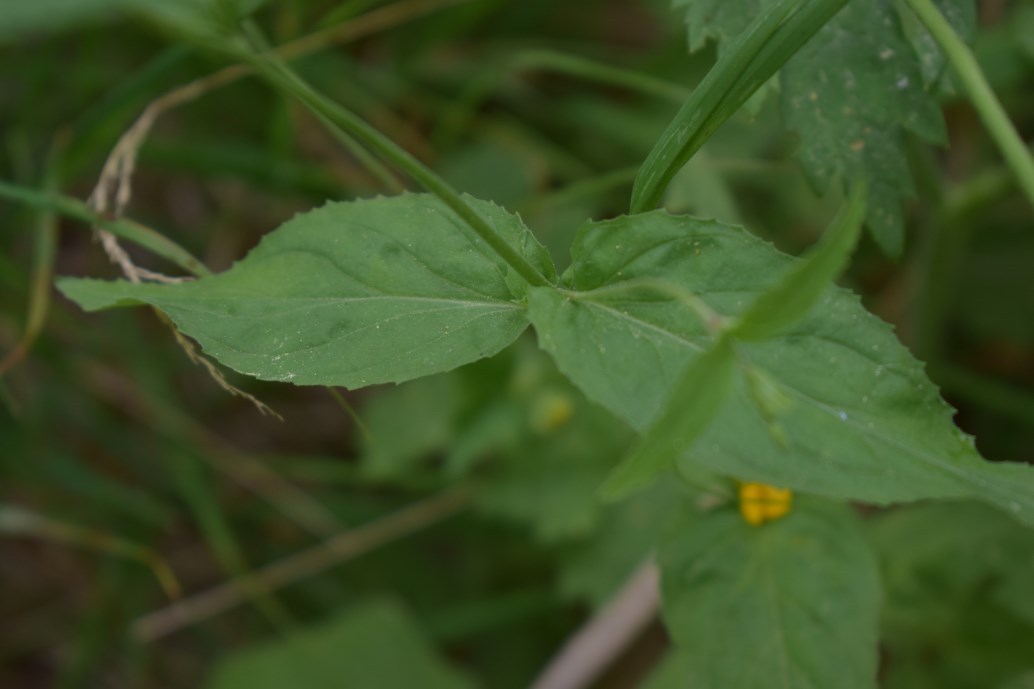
(865, 423)
(722, 21)
(789, 605)
(693, 404)
(374, 645)
(772, 37)
(962, 15)
(803, 285)
(852, 93)
(351, 294)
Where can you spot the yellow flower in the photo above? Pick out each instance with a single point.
(760, 503)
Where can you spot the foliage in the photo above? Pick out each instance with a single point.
(381, 225)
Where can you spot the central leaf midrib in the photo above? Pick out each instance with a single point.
(187, 303)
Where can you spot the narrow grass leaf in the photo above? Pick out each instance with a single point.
(758, 53)
(803, 285)
(693, 404)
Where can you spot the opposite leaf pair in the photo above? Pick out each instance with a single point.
(390, 289)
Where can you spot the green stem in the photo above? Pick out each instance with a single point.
(980, 94)
(346, 407)
(365, 158)
(126, 229)
(44, 255)
(283, 78)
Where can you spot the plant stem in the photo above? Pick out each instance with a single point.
(126, 229)
(980, 94)
(317, 558)
(601, 640)
(44, 256)
(282, 77)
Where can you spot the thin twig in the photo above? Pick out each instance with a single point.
(341, 548)
(596, 644)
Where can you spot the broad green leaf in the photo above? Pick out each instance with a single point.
(789, 605)
(693, 404)
(373, 645)
(724, 20)
(802, 286)
(851, 94)
(864, 422)
(350, 294)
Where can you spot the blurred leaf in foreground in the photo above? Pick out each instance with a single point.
(373, 645)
